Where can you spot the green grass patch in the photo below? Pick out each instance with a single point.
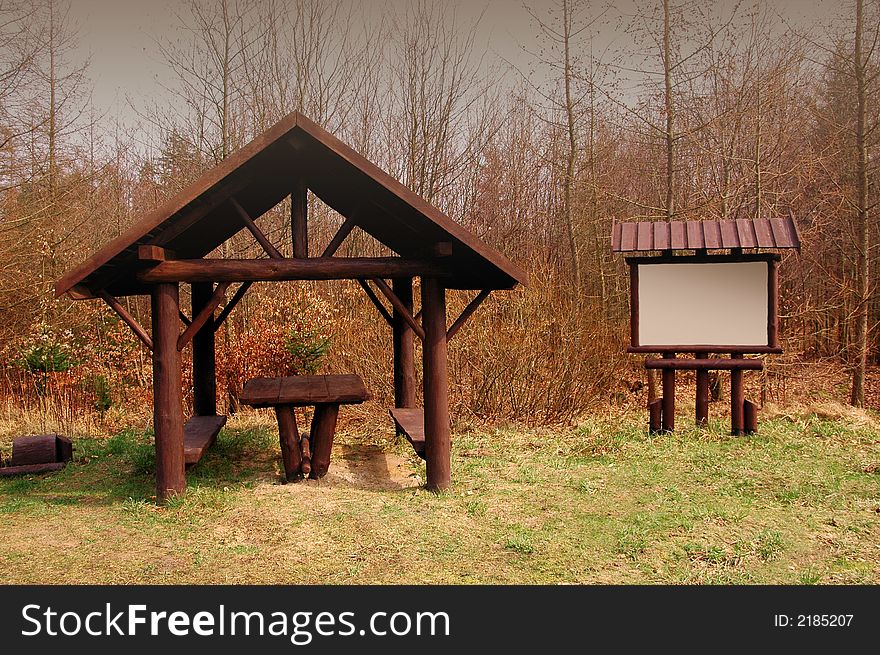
(602, 502)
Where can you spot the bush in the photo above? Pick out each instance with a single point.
(307, 349)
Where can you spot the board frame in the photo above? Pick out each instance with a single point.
(772, 261)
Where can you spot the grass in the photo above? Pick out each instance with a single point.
(798, 503)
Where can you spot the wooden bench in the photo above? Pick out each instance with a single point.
(309, 455)
(410, 422)
(199, 434)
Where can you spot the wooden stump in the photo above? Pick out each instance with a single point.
(36, 449)
(323, 428)
(288, 433)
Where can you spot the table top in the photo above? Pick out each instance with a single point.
(303, 390)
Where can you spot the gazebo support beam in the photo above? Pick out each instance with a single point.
(204, 373)
(402, 336)
(167, 393)
(299, 229)
(272, 270)
(436, 385)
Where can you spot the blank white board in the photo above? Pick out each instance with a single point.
(703, 304)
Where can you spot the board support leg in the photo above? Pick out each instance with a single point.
(668, 385)
(750, 417)
(737, 420)
(655, 414)
(702, 408)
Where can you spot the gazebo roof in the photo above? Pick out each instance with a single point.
(259, 176)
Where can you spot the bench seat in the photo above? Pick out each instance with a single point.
(199, 434)
(411, 423)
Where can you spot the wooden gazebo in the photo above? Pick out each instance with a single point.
(168, 246)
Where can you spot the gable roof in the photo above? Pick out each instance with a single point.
(697, 235)
(259, 176)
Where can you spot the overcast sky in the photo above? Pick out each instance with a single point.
(121, 37)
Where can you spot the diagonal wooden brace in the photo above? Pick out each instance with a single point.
(127, 318)
(203, 316)
(466, 313)
(399, 307)
(340, 236)
(236, 298)
(378, 303)
(271, 250)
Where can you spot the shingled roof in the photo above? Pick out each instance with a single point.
(643, 236)
(259, 176)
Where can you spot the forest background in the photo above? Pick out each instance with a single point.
(654, 110)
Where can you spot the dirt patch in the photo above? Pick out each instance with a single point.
(368, 467)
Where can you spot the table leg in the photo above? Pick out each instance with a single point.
(323, 428)
(289, 436)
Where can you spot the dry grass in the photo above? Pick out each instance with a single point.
(600, 503)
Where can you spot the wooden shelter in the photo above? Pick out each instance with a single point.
(170, 245)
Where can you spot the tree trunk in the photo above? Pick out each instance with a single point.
(862, 290)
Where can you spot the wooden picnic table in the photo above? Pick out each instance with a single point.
(309, 455)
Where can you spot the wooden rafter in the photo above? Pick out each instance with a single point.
(340, 236)
(287, 269)
(184, 318)
(236, 298)
(375, 300)
(466, 313)
(399, 307)
(261, 238)
(127, 318)
(206, 314)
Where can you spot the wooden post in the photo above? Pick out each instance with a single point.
(655, 415)
(668, 382)
(288, 434)
(750, 417)
(737, 419)
(204, 373)
(436, 385)
(404, 365)
(323, 428)
(167, 393)
(702, 412)
(299, 219)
